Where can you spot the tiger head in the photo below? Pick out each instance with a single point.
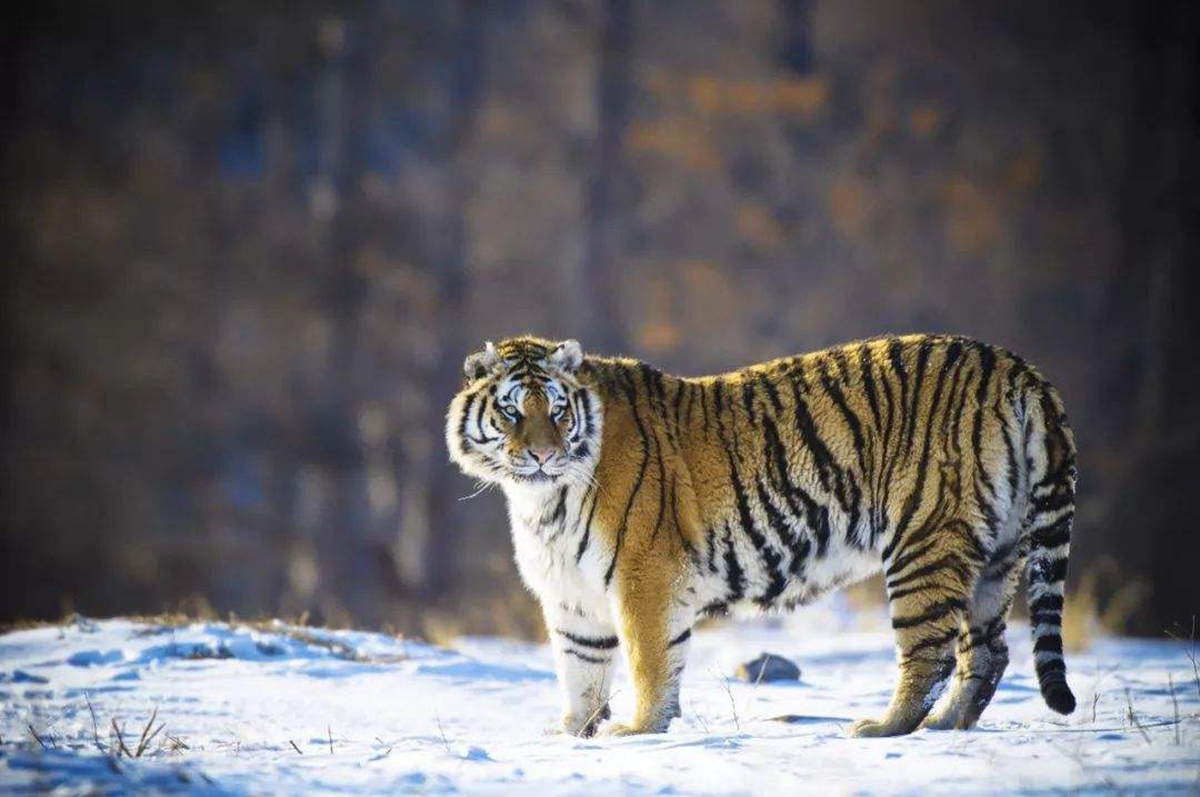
(524, 416)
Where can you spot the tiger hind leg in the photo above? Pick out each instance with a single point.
(929, 591)
(982, 652)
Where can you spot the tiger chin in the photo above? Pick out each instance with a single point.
(640, 502)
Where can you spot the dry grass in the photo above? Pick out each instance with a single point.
(1104, 601)
(511, 613)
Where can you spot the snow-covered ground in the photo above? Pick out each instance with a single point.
(275, 709)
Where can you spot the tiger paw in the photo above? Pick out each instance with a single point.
(621, 729)
(584, 725)
(940, 722)
(871, 729)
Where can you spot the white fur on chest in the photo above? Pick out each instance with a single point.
(547, 555)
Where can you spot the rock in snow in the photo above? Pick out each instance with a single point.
(767, 668)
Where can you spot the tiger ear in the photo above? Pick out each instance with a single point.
(567, 356)
(481, 363)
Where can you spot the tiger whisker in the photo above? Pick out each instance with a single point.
(482, 489)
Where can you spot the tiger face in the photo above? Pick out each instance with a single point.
(524, 417)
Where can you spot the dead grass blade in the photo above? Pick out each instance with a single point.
(146, 736)
(121, 748)
(37, 738)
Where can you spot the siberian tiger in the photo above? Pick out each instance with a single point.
(640, 502)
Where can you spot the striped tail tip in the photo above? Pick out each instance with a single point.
(1052, 675)
(1058, 696)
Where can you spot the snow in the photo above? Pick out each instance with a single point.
(278, 709)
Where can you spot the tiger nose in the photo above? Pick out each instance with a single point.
(541, 455)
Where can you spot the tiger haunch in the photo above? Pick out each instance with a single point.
(641, 501)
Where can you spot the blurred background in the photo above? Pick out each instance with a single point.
(248, 245)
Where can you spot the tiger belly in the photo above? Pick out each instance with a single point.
(735, 575)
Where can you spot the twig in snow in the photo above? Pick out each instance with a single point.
(1133, 717)
(1095, 700)
(1191, 654)
(1142, 725)
(329, 730)
(146, 736)
(443, 733)
(732, 703)
(294, 747)
(1195, 668)
(95, 725)
(120, 740)
(177, 743)
(1175, 704)
(762, 670)
(599, 709)
(37, 738)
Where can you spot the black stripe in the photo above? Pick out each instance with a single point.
(1049, 604)
(587, 658)
(938, 641)
(466, 413)
(935, 612)
(771, 558)
(913, 590)
(560, 509)
(868, 380)
(587, 529)
(1048, 643)
(692, 389)
(848, 415)
(829, 473)
(1052, 503)
(771, 391)
(598, 643)
(1052, 536)
(895, 353)
(1050, 669)
(959, 412)
(1052, 572)
(587, 412)
(684, 637)
(816, 516)
(735, 576)
(631, 395)
(882, 484)
(982, 636)
(748, 398)
(950, 561)
(923, 350)
(795, 543)
(677, 402)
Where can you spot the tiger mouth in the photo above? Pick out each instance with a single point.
(536, 477)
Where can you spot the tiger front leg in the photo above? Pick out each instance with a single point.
(584, 651)
(655, 632)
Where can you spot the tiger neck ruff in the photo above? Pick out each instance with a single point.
(640, 502)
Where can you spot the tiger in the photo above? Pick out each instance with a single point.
(641, 502)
